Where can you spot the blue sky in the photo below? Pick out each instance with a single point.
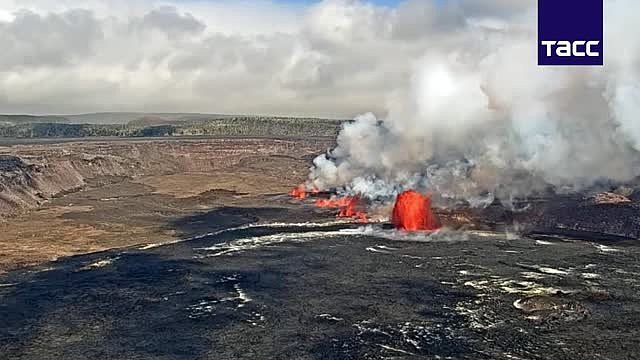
(379, 2)
(309, 2)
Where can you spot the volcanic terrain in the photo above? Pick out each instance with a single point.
(193, 248)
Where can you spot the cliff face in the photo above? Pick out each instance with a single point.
(25, 185)
(32, 174)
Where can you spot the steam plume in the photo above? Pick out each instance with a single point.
(480, 120)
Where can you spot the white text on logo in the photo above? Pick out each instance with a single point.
(567, 48)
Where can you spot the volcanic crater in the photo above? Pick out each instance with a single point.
(199, 248)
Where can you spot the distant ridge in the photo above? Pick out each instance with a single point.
(120, 118)
(126, 117)
(162, 124)
(27, 119)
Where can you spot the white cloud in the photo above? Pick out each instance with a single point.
(335, 58)
(479, 116)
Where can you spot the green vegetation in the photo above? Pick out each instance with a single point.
(261, 126)
(23, 126)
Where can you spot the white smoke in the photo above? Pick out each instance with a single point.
(481, 120)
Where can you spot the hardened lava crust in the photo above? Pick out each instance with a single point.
(211, 259)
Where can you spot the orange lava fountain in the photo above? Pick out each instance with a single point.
(412, 212)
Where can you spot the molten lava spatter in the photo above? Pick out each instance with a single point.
(412, 212)
(333, 203)
(351, 212)
(347, 206)
(299, 192)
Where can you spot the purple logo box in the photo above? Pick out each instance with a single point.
(570, 32)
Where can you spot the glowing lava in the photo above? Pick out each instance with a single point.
(412, 212)
(333, 203)
(300, 192)
(347, 206)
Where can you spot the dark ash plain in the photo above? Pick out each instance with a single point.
(191, 250)
(327, 291)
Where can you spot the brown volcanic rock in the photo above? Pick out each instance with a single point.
(24, 185)
(33, 173)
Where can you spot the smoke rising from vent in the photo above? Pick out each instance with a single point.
(480, 120)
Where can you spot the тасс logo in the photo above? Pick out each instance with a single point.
(570, 32)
